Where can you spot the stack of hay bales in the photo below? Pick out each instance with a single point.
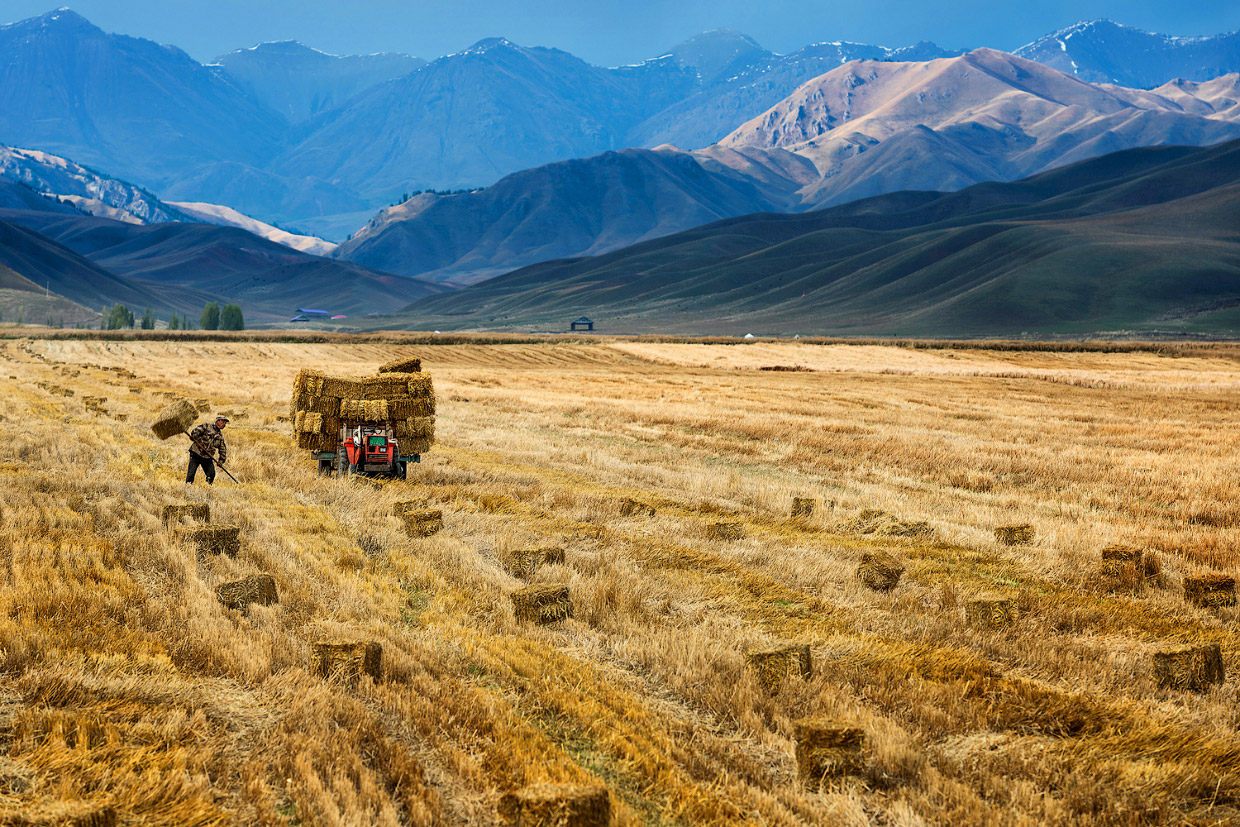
(405, 401)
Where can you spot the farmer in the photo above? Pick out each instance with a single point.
(207, 440)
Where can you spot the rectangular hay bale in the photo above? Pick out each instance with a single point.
(1211, 591)
(239, 594)
(422, 427)
(804, 506)
(991, 612)
(725, 531)
(191, 511)
(1116, 558)
(423, 522)
(827, 751)
(347, 661)
(59, 814)
(1014, 535)
(880, 570)
(174, 419)
(405, 365)
(402, 507)
(524, 562)
(326, 405)
(214, 539)
(556, 805)
(774, 666)
(1190, 668)
(542, 604)
(630, 506)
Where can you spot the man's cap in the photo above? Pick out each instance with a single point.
(218, 417)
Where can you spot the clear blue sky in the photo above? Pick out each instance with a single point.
(609, 32)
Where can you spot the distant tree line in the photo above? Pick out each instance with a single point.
(214, 317)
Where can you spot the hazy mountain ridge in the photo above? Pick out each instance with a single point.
(862, 129)
(1102, 51)
(1141, 239)
(300, 82)
(175, 266)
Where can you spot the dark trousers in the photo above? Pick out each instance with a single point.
(208, 468)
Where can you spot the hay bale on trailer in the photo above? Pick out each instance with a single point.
(214, 539)
(556, 805)
(774, 666)
(407, 365)
(175, 419)
(827, 751)
(1210, 590)
(239, 594)
(1190, 668)
(1015, 535)
(182, 511)
(880, 570)
(991, 612)
(542, 604)
(405, 402)
(347, 661)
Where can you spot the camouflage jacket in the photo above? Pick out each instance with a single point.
(207, 440)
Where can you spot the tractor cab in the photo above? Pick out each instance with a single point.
(367, 450)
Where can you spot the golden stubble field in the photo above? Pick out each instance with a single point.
(125, 684)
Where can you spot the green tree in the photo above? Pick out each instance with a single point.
(210, 319)
(231, 318)
(148, 320)
(174, 323)
(118, 317)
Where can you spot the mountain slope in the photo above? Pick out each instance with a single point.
(741, 92)
(1138, 240)
(862, 129)
(467, 119)
(1100, 51)
(300, 82)
(570, 208)
(66, 273)
(144, 111)
(992, 115)
(224, 263)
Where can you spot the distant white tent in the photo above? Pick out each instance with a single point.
(748, 335)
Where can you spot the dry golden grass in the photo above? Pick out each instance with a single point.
(125, 684)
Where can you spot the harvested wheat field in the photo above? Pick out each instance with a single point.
(134, 686)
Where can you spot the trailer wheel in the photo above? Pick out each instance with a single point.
(402, 470)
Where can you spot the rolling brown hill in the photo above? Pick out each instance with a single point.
(1141, 240)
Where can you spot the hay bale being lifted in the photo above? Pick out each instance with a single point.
(175, 419)
(1190, 668)
(556, 805)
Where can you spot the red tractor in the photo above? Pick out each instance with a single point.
(368, 451)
